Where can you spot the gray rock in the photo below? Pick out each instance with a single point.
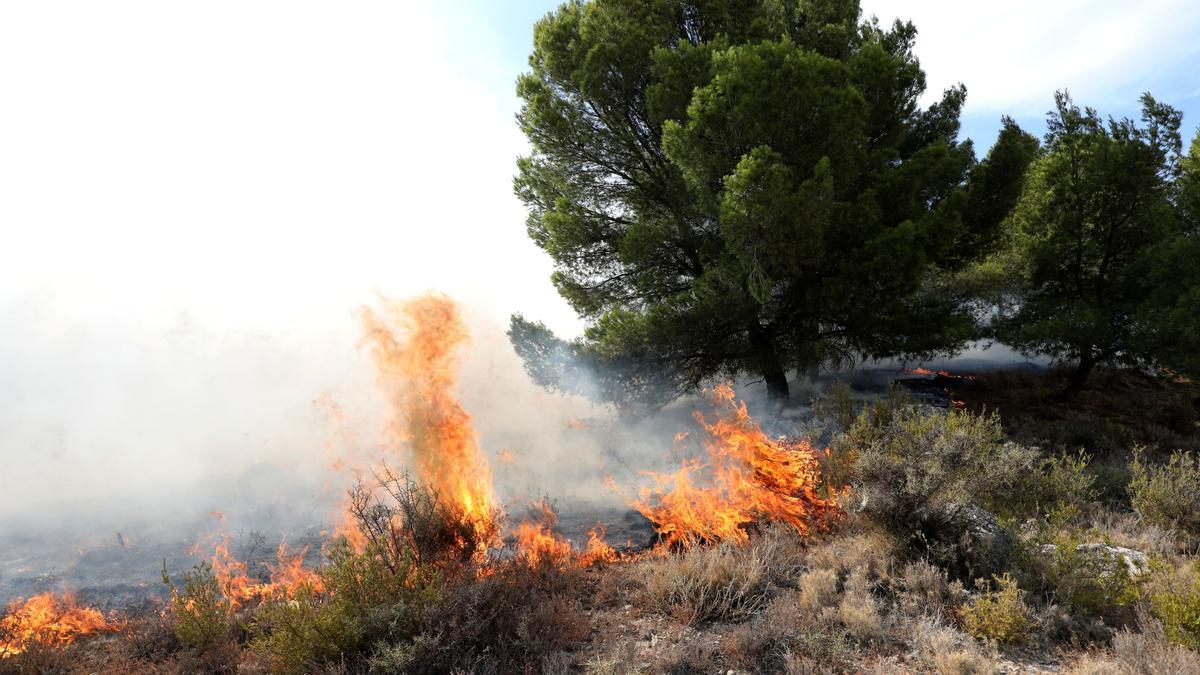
(965, 540)
(1110, 558)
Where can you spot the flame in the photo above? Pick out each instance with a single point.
(597, 550)
(287, 575)
(54, 621)
(941, 373)
(417, 372)
(537, 542)
(506, 457)
(744, 478)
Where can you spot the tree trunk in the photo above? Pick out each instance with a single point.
(1079, 377)
(768, 364)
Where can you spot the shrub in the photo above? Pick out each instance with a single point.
(1090, 583)
(361, 600)
(1149, 652)
(917, 459)
(997, 613)
(1175, 602)
(859, 611)
(927, 590)
(701, 584)
(947, 650)
(203, 617)
(508, 619)
(1167, 494)
(1059, 488)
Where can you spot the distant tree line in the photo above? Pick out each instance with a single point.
(750, 186)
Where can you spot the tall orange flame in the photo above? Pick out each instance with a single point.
(745, 477)
(417, 367)
(54, 621)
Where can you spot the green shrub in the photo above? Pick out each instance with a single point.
(1176, 603)
(909, 460)
(360, 601)
(1090, 584)
(1059, 489)
(203, 617)
(1167, 494)
(997, 613)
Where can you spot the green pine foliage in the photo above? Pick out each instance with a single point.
(749, 186)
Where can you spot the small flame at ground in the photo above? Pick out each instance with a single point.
(47, 619)
(744, 478)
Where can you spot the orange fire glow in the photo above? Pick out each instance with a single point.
(50, 620)
(941, 373)
(414, 344)
(597, 550)
(537, 542)
(287, 575)
(744, 478)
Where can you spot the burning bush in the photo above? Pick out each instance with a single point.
(744, 478)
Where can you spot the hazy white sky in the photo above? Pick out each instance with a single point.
(194, 197)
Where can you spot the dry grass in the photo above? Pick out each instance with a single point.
(1147, 652)
(948, 651)
(725, 582)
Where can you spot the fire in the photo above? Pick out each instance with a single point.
(537, 541)
(287, 575)
(940, 373)
(506, 457)
(744, 478)
(54, 621)
(417, 372)
(597, 550)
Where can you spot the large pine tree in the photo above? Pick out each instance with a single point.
(730, 186)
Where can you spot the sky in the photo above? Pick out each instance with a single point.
(195, 198)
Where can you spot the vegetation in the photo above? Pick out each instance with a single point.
(998, 613)
(1103, 258)
(733, 187)
(1167, 494)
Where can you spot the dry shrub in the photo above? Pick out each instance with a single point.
(947, 650)
(816, 590)
(506, 620)
(927, 590)
(1131, 531)
(869, 553)
(859, 611)
(1147, 652)
(724, 582)
(789, 630)
(998, 613)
